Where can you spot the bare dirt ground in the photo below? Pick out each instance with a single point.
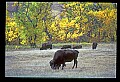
(99, 63)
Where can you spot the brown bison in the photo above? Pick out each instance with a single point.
(94, 45)
(46, 46)
(77, 47)
(66, 46)
(62, 56)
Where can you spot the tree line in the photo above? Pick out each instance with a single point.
(33, 23)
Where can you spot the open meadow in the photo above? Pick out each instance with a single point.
(98, 63)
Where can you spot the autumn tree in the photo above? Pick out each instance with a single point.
(93, 19)
(105, 21)
(30, 15)
(11, 30)
(33, 23)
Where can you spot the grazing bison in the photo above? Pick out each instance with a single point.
(66, 46)
(94, 45)
(62, 56)
(77, 47)
(46, 46)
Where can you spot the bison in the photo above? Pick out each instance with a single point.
(46, 46)
(77, 47)
(62, 56)
(94, 45)
(66, 46)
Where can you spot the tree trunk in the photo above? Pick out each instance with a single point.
(48, 34)
(99, 36)
(32, 43)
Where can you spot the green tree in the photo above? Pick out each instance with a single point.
(31, 15)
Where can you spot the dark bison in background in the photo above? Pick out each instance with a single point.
(77, 47)
(62, 56)
(66, 46)
(46, 46)
(94, 45)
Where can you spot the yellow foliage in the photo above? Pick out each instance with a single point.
(15, 3)
(10, 33)
(61, 32)
(68, 35)
(62, 13)
(86, 4)
(62, 37)
(12, 24)
(63, 22)
(82, 9)
(72, 22)
(53, 24)
(78, 17)
(107, 22)
(21, 27)
(70, 4)
(85, 20)
(11, 30)
(23, 42)
(74, 35)
(66, 6)
(77, 25)
(83, 28)
(81, 34)
(111, 14)
(9, 39)
(16, 29)
(55, 29)
(93, 35)
(89, 3)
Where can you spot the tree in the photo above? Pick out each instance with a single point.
(30, 15)
(11, 30)
(33, 23)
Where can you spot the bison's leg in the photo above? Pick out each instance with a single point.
(62, 66)
(56, 66)
(76, 63)
(51, 47)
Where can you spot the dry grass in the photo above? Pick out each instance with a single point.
(99, 63)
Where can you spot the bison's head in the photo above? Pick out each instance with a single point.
(53, 65)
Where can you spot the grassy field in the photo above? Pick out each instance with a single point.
(99, 63)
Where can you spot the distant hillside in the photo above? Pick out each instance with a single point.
(56, 8)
